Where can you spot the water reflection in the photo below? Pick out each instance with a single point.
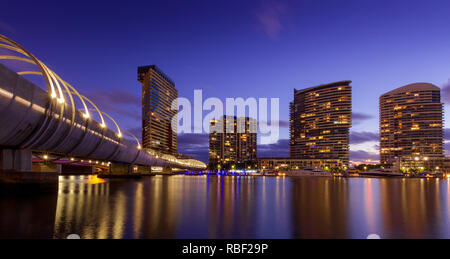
(232, 207)
(320, 207)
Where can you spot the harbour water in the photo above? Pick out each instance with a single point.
(186, 206)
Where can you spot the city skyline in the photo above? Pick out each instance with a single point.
(222, 128)
(272, 38)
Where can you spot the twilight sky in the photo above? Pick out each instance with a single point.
(251, 48)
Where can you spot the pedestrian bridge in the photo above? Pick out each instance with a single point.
(58, 122)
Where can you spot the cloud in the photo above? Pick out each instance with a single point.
(120, 97)
(360, 117)
(362, 137)
(137, 131)
(445, 89)
(193, 139)
(117, 101)
(361, 155)
(270, 16)
(284, 124)
(195, 145)
(4, 27)
(281, 123)
(447, 149)
(278, 149)
(446, 134)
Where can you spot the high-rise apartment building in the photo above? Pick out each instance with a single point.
(158, 93)
(411, 123)
(320, 121)
(232, 141)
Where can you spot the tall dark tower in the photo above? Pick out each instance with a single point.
(232, 141)
(158, 93)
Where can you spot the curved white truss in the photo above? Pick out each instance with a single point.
(58, 90)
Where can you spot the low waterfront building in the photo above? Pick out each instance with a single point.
(423, 163)
(287, 164)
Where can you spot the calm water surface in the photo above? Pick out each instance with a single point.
(231, 207)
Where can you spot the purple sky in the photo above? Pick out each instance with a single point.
(239, 49)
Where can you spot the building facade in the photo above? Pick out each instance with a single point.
(320, 121)
(232, 143)
(288, 164)
(158, 93)
(411, 124)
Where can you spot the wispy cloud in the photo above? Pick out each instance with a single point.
(136, 131)
(5, 27)
(281, 123)
(117, 101)
(271, 17)
(195, 145)
(445, 89)
(278, 149)
(446, 134)
(360, 117)
(362, 137)
(361, 155)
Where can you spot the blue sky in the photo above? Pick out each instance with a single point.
(244, 49)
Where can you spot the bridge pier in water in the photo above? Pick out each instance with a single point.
(16, 169)
(15, 160)
(118, 170)
(47, 167)
(167, 170)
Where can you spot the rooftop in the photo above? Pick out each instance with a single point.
(414, 88)
(145, 69)
(339, 83)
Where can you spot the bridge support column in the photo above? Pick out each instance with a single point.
(166, 170)
(15, 160)
(16, 169)
(47, 168)
(143, 170)
(120, 169)
(117, 170)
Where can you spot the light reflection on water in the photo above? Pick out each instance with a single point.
(234, 207)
